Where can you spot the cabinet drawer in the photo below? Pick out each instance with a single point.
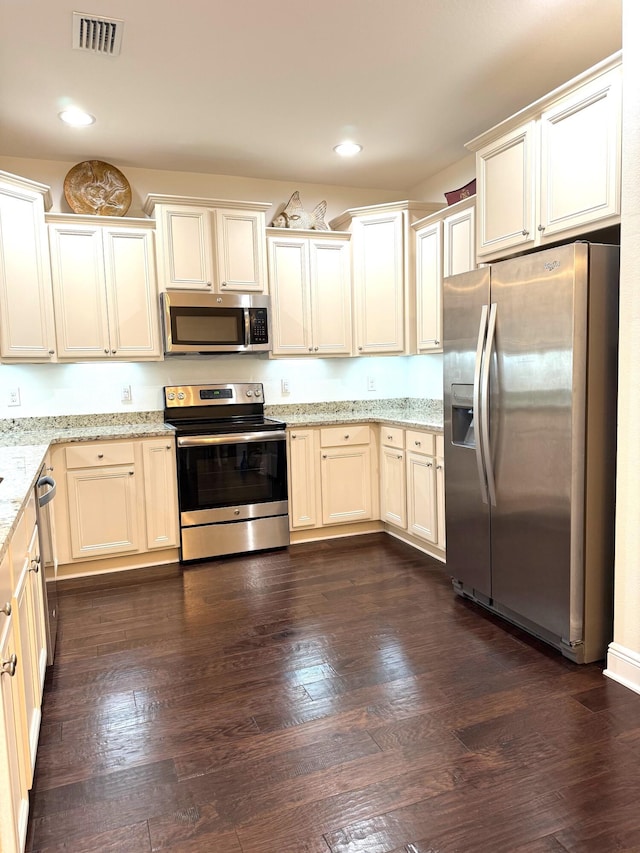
(421, 442)
(392, 436)
(90, 455)
(344, 435)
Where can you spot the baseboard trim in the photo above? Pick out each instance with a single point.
(623, 666)
(429, 550)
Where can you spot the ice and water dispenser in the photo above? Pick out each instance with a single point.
(462, 420)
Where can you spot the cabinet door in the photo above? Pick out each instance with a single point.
(131, 293)
(302, 479)
(330, 284)
(291, 309)
(14, 803)
(345, 474)
(442, 539)
(185, 250)
(28, 677)
(80, 302)
(378, 268)
(26, 306)
(429, 287)
(580, 157)
(459, 242)
(102, 506)
(421, 496)
(506, 191)
(160, 490)
(394, 487)
(240, 250)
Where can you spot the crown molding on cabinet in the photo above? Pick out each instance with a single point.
(24, 183)
(153, 199)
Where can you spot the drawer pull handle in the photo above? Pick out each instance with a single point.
(417, 443)
(293, 435)
(429, 464)
(324, 455)
(439, 467)
(131, 473)
(6, 609)
(541, 227)
(9, 666)
(399, 456)
(52, 352)
(525, 233)
(389, 437)
(100, 455)
(35, 565)
(346, 435)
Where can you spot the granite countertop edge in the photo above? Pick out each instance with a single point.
(24, 443)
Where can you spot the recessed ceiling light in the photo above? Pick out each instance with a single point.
(348, 149)
(76, 118)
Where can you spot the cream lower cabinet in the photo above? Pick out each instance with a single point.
(26, 305)
(333, 476)
(310, 284)
(209, 244)
(553, 170)
(23, 656)
(104, 286)
(412, 483)
(115, 498)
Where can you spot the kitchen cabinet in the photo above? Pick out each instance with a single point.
(23, 656)
(553, 170)
(345, 474)
(333, 476)
(104, 285)
(209, 244)
(393, 477)
(383, 274)
(310, 285)
(444, 245)
(27, 330)
(412, 485)
(115, 499)
(303, 461)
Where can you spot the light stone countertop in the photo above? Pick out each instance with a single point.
(24, 442)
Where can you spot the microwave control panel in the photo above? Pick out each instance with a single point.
(258, 326)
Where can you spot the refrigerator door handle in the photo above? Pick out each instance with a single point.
(477, 376)
(484, 400)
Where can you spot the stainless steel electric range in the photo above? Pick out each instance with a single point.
(232, 470)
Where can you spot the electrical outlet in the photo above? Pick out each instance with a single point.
(284, 386)
(371, 383)
(125, 395)
(13, 397)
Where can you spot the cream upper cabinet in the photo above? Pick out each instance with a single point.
(444, 245)
(26, 307)
(553, 170)
(383, 274)
(104, 283)
(310, 285)
(303, 478)
(209, 244)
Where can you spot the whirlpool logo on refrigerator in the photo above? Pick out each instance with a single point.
(552, 265)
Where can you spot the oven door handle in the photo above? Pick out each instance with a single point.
(231, 438)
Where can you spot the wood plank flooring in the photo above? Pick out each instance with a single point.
(335, 697)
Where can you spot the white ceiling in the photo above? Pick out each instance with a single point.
(265, 88)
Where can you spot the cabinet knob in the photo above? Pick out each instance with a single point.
(346, 435)
(113, 352)
(208, 284)
(293, 435)
(389, 437)
(437, 343)
(541, 227)
(52, 352)
(359, 349)
(417, 443)
(35, 565)
(224, 284)
(9, 666)
(168, 447)
(310, 349)
(525, 233)
(106, 352)
(6, 609)
(100, 455)
(236, 512)
(439, 467)
(324, 455)
(131, 473)
(429, 464)
(399, 456)
(316, 349)
(49, 467)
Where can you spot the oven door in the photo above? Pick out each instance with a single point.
(232, 477)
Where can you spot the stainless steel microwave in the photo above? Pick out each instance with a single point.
(196, 322)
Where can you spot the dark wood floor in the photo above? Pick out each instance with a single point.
(333, 697)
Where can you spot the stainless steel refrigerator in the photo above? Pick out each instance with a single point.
(530, 376)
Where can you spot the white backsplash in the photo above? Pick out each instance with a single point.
(59, 389)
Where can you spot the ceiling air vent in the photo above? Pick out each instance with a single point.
(97, 35)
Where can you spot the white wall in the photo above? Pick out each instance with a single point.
(623, 662)
(455, 176)
(145, 181)
(56, 389)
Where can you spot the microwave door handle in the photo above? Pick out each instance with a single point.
(247, 326)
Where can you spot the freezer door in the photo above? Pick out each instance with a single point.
(467, 515)
(537, 433)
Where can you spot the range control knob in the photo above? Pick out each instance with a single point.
(257, 392)
(171, 395)
(181, 395)
(249, 392)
